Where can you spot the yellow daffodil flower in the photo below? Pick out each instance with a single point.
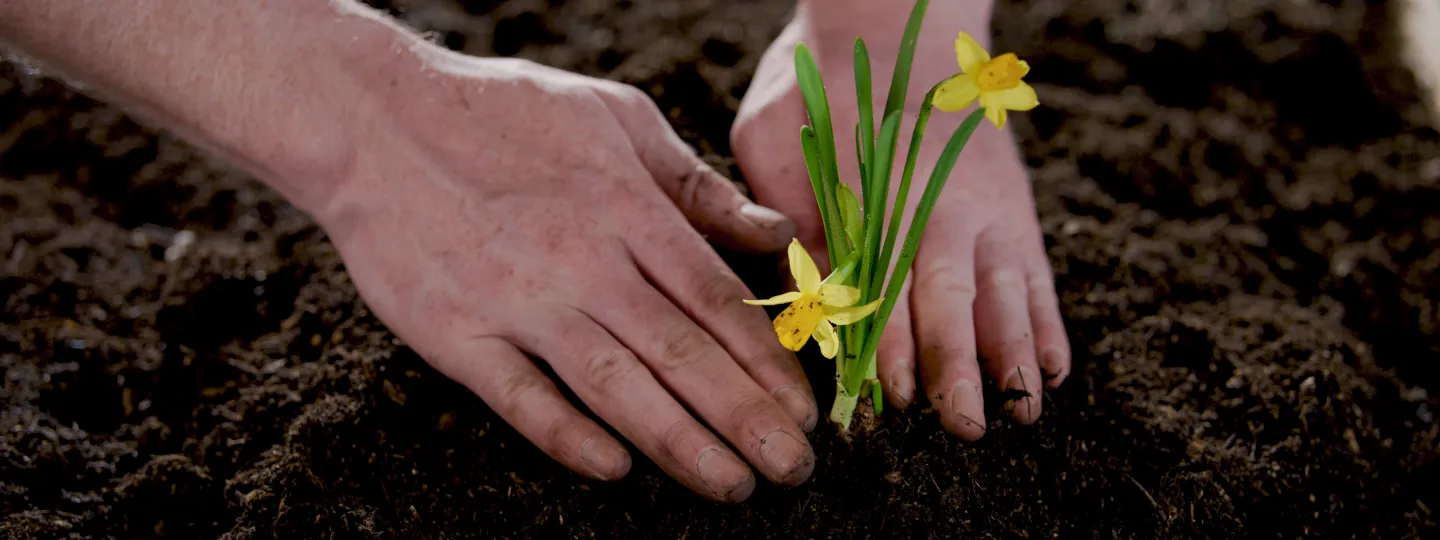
(995, 81)
(815, 308)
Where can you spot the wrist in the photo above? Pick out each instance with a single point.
(316, 112)
(884, 18)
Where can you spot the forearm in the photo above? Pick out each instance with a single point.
(272, 86)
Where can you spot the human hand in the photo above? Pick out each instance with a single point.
(496, 208)
(485, 209)
(981, 281)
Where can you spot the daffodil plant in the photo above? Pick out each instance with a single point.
(859, 254)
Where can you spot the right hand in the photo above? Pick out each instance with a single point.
(493, 209)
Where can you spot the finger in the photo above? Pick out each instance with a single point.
(712, 203)
(619, 389)
(774, 165)
(1051, 342)
(530, 402)
(896, 362)
(697, 280)
(698, 371)
(943, 296)
(1002, 324)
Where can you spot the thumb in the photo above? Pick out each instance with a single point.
(712, 202)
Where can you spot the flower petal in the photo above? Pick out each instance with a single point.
(839, 295)
(794, 325)
(969, 53)
(802, 267)
(776, 300)
(1024, 68)
(996, 116)
(957, 93)
(850, 315)
(1020, 98)
(825, 336)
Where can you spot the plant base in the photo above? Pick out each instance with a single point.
(843, 411)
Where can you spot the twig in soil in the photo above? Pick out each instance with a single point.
(888, 500)
(1027, 393)
(1143, 490)
(800, 512)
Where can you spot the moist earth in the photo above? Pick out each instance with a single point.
(1239, 201)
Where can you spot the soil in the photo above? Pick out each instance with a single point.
(1239, 204)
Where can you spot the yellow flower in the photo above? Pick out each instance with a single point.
(996, 82)
(815, 307)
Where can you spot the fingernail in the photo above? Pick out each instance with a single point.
(1025, 409)
(787, 455)
(902, 389)
(799, 408)
(967, 402)
(605, 460)
(1052, 361)
(724, 475)
(764, 218)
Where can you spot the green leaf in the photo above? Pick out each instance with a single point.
(850, 214)
(860, 151)
(842, 275)
(878, 192)
(938, 178)
(902, 195)
(866, 130)
(810, 146)
(900, 81)
(812, 89)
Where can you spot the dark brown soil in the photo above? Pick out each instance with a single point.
(1240, 204)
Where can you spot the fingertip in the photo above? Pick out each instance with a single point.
(772, 230)
(725, 477)
(1025, 407)
(966, 410)
(800, 407)
(604, 459)
(900, 387)
(791, 458)
(1055, 366)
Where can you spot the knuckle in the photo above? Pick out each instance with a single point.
(1041, 288)
(672, 439)
(1001, 279)
(692, 189)
(1015, 347)
(518, 390)
(718, 291)
(608, 369)
(560, 430)
(753, 409)
(630, 98)
(945, 284)
(948, 351)
(684, 350)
